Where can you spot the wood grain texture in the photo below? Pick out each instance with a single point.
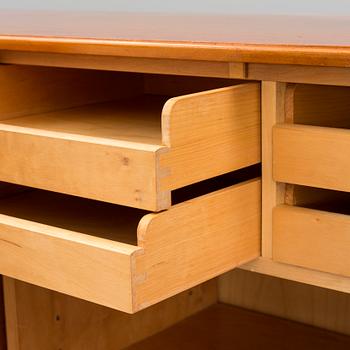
(134, 119)
(310, 40)
(46, 320)
(94, 255)
(128, 64)
(3, 332)
(320, 105)
(67, 262)
(210, 133)
(64, 149)
(311, 156)
(314, 239)
(281, 295)
(28, 90)
(306, 276)
(10, 311)
(294, 73)
(225, 327)
(219, 231)
(72, 164)
(273, 111)
(177, 85)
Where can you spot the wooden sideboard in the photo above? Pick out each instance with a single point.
(131, 147)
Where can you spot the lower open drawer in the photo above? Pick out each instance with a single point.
(125, 258)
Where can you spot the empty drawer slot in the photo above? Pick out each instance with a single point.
(311, 147)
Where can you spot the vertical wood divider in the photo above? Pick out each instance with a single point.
(273, 111)
(11, 320)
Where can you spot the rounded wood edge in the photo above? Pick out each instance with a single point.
(336, 56)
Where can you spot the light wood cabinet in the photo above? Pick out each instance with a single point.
(136, 169)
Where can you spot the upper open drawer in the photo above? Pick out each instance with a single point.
(126, 258)
(123, 138)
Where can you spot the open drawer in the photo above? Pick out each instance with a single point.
(123, 138)
(125, 258)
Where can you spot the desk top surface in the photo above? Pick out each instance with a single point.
(311, 40)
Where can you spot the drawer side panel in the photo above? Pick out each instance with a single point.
(109, 173)
(197, 240)
(90, 269)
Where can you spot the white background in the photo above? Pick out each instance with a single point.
(300, 7)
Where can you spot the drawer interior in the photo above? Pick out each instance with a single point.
(99, 219)
(133, 119)
(310, 147)
(113, 105)
(124, 138)
(318, 105)
(117, 256)
(318, 199)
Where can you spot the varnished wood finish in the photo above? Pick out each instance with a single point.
(294, 73)
(223, 327)
(319, 105)
(113, 263)
(210, 133)
(324, 280)
(312, 156)
(192, 68)
(279, 296)
(313, 239)
(3, 337)
(261, 39)
(273, 111)
(283, 49)
(146, 144)
(306, 104)
(41, 319)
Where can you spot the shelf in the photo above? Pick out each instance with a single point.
(223, 327)
(125, 258)
(310, 155)
(310, 148)
(124, 143)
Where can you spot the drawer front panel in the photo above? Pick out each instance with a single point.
(211, 133)
(218, 232)
(86, 267)
(312, 156)
(313, 239)
(119, 175)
